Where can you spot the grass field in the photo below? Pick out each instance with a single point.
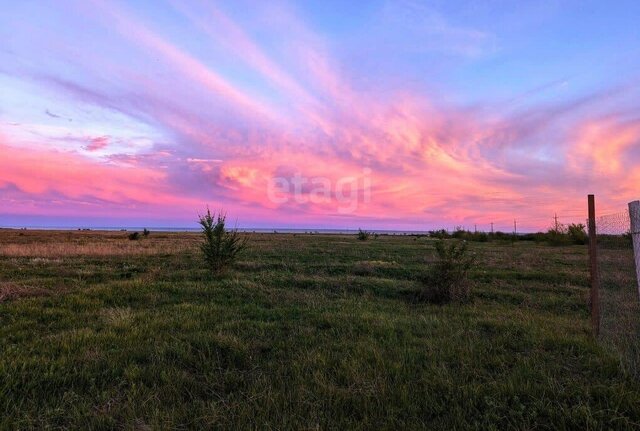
(306, 332)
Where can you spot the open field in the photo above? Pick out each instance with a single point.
(306, 332)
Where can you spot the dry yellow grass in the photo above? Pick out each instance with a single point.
(55, 244)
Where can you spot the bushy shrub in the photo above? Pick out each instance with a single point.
(540, 236)
(448, 279)
(459, 233)
(615, 242)
(134, 236)
(220, 247)
(440, 234)
(363, 235)
(501, 236)
(557, 235)
(565, 235)
(145, 232)
(478, 236)
(577, 233)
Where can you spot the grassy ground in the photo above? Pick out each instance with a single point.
(307, 332)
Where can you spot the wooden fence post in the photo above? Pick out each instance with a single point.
(593, 267)
(634, 217)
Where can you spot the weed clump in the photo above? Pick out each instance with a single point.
(220, 247)
(448, 279)
(146, 232)
(134, 236)
(363, 235)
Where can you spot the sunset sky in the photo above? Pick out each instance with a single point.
(435, 114)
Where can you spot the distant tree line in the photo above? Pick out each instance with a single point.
(557, 235)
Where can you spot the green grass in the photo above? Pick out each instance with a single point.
(306, 332)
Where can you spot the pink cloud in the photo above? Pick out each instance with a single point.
(98, 143)
(39, 172)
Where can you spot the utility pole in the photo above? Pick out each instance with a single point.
(475, 228)
(515, 227)
(555, 218)
(491, 227)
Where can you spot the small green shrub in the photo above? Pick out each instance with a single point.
(146, 232)
(448, 279)
(577, 233)
(615, 242)
(501, 236)
(134, 236)
(440, 234)
(557, 235)
(220, 247)
(363, 235)
(459, 233)
(533, 236)
(565, 235)
(478, 236)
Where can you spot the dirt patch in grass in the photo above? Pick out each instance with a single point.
(11, 291)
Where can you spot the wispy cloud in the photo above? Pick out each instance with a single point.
(421, 27)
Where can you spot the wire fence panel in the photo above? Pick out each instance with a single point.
(619, 302)
(634, 215)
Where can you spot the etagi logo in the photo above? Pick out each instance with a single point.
(347, 192)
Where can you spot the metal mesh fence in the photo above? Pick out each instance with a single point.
(619, 301)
